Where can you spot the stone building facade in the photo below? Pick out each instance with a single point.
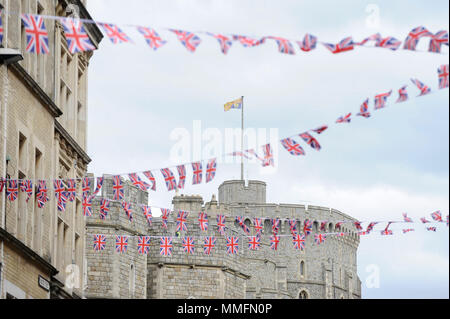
(326, 271)
(43, 103)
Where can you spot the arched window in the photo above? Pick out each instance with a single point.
(267, 226)
(132, 279)
(302, 268)
(316, 226)
(303, 295)
(248, 223)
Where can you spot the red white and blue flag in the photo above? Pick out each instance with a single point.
(307, 227)
(389, 43)
(1, 30)
(248, 42)
(127, 208)
(86, 186)
(413, 37)
(257, 225)
(211, 168)
(323, 226)
(437, 40)
(60, 194)
(71, 189)
(254, 242)
(319, 130)
(406, 219)
(152, 179)
(203, 221)
(197, 171)
(284, 45)
(208, 244)
(181, 176)
(181, 220)
(274, 241)
(431, 229)
(143, 245)
(232, 245)
(275, 225)
(358, 225)
(381, 99)
(407, 230)
(41, 193)
(402, 94)
(165, 216)
(12, 189)
(424, 220)
(152, 38)
(299, 241)
(115, 34)
(117, 188)
(443, 72)
(364, 109)
(104, 208)
(169, 178)
(224, 42)
(37, 36)
(99, 242)
(292, 147)
(121, 244)
(424, 89)
(371, 226)
(346, 44)
(293, 226)
(437, 216)
(76, 36)
(319, 238)
(165, 246)
(344, 119)
(374, 37)
(87, 206)
(188, 245)
(147, 211)
(221, 224)
(137, 181)
(26, 186)
(241, 223)
(387, 231)
(188, 39)
(99, 185)
(268, 156)
(309, 43)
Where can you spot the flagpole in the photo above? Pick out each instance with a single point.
(242, 139)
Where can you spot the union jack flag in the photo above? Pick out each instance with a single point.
(364, 109)
(165, 247)
(381, 99)
(346, 44)
(104, 208)
(437, 216)
(188, 39)
(257, 222)
(424, 220)
(431, 229)
(37, 36)
(181, 220)
(338, 225)
(60, 194)
(171, 183)
(275, 225)
(86, 186)
(292, 147)
(311, 141)
(99, 242)
(284, 45)
(224, 41)
(221, 224)
(12, 190)
(323, 226)
(209, 244)
(41, 194)
(137, 181)
(387, 232)
(197, 173)
(147, 211)
(232, 245)
(307, 227)
(99, 185)
(406, 218)
(319, 130)
(293, 226)
(402, 94)
(165, 216)
(1, 30)
(268, 156)
(299, 241)
(241, 223)
(357, 225)
(424, 89)
(443, 76)
(309, 43)
(152, 179)
(389, 43)
(27, 187)
(374, 37)
(87, 206)
(407, 230)
(211, 168)
(143, 245)
(254, 242)
(344, 119)
(274, 241)
(117, 188)
(188, 245)
(203, 221)
(319, 238)
(152, 38)
(71, 189)
(115, 34)
(413, 37)
(76, 36)
(127, 208)
(370, 226)
(437, 40)
(121, 243)
(248, 41)
(182, 176)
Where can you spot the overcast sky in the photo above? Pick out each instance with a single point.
(372, 169)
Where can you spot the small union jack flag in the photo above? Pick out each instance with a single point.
(26, 186)
(323, 226)
(406, 218)
(268, 156)
(424, 89)
(241, 223)
(370, 226)
(387, 232)
(299, 241)
(37, 36)
(424, 220)
(115, 34)
(319, 238)
(275, 225)
(99, 185)
(171, 183)
(254, 242)
(87, 206)
(374, 37)
(309, 43)
(41, 193)
(137, 181)
(443, 76)
(121, 244)
(248, 41)
(181, 176)
(293, 226)
(437, 216)
(152, 179)
(188, 39)
(257, 225)
(364, 109)
(152, 38)
(221, 224)
(104, 208)
(431, 229)
(203, 221)
(86, 186)
(292, 147)
(437, 40)
(407, 230)
(311, 141)
(358, 225)
(127, 208)
(143, 245)
(224, 41)
(147, 211)
(60, 194)
(338, 225)
(402, 94)
(346, 44)
(381, 99)
(284, 45)
(319, 130)
(76, 36)
(274, 241)
(197, 173)
(117, 188)
(71, 189)
(307, 227)
(389, 43)
(165, 247)
(181, 220)
(232, 245)
(188, 245)
(99, 242)
(165, 216)
(413, 37)
(12, 190)
(208, 244)
(344, 119)
(211, 168)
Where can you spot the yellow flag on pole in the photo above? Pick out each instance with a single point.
(236, 104)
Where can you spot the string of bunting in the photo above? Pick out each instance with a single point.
(78, 39)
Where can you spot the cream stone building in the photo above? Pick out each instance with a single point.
(43, 114)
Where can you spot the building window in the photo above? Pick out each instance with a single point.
(303, 295)
(302, 268)
(132, 279)
(267, 226)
